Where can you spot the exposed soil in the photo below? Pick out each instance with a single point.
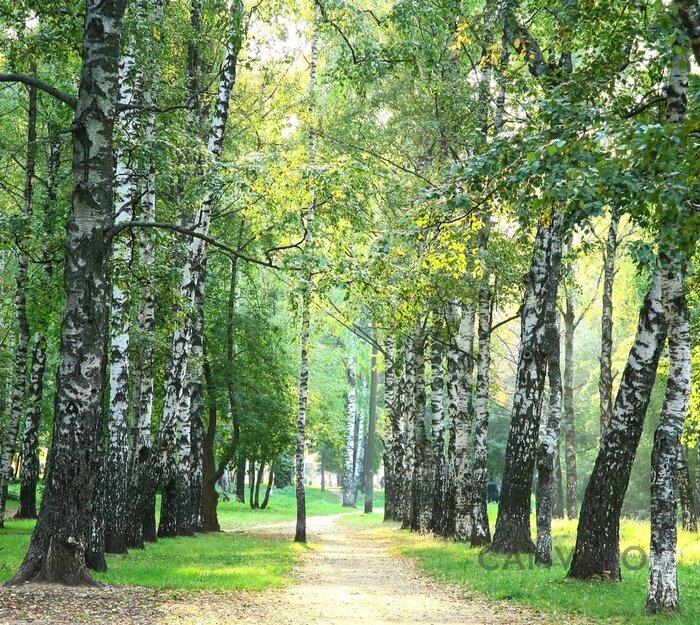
(348, 576)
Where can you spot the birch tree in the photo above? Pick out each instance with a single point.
(349, 492)
(597, 550)
(126, 196)
(56, 551)
(460, 365)
(605, 381)
(309, 216)
(662, 590)
(22, 343)
(549, 443)
(435, 485)
(29, 466)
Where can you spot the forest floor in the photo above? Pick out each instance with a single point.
(347, 575)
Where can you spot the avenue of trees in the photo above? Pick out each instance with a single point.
(445, 243)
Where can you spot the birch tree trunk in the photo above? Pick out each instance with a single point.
(481, 534)
(512, 533)
(56, 551)
(126, 196)
(435, 484)
(549, 444)
(20, 369)
(350, 424)
(460, 356)
(569, 417)
(662, 590)
(400, 403)
(371, 429)
(393, 444)
(300, 533)
(421, 502)
(408, 410)
(19, 385)
(605, 381)
(29, 467)
(359, 456)
(597, 552)
(143, 345)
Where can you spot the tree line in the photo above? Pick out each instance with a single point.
(426, 176)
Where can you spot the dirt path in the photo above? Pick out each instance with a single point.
(347, 577)
(350, 577)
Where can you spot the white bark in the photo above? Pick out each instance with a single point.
(662, 591)
(408, 412)
(310, 213)
(349, 491)
(461, 354)
(126, 197)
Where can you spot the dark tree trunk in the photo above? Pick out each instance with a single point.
(150, 535)
(258, 482)
(597, 552)
(251, 483)
(167, 526)
(240, 480)
(29, 467)
(57, 549)
(268, 490)
(197, 437)
(512, 533)
(211, 472)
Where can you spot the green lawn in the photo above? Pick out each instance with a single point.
(546, 589)
(230, 560)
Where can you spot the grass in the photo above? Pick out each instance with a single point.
(546, 589)
(230, 560)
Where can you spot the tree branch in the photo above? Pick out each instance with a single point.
(62, 96)
(502, 323)
(117, 228)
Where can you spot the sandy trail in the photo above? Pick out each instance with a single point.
(351, 577)
(348, 577)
